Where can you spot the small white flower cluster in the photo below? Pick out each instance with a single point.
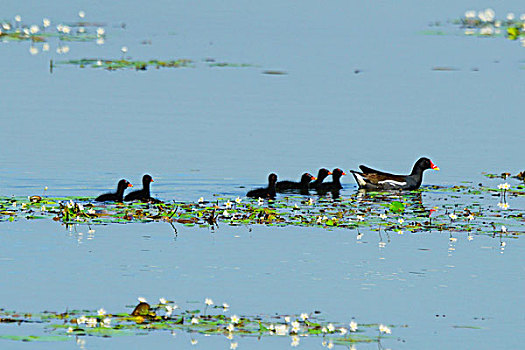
(504, 186)
(93, 321)
(384, 329)
(503, 206)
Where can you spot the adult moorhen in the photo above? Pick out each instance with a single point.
(117, 196)
(267, 192)
(371, 179)
(143, 194)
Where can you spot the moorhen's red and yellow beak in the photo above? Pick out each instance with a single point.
(314, 178)
(152, 180)
(329, 173)
(343, 173)
(433, 166)
(130, 185)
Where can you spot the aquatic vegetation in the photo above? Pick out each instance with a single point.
(457, 209)
(74, 31)
(123, 63)
(484, 23)
(166, 316)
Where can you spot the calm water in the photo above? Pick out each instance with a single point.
(202, 130)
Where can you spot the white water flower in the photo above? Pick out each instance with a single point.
(510, 16)
(330, 345)
(260, 201)
(304, 316)
(281, 329)
(45, 47)
(106, 322)
(91, 322)
(194, 342)
(169, 310)
(504, 186)
(234, 345)
(470, 31)
(26, 31)
(66, 29)
(470, 217)
(238, 200)
(295, 326)
(384, 329)
(503, 229)
(228, 204)
(43, 208)
(124, 49)
(453, 216)
(310, 201)
(81, 30)
(162, 301)
(401, 221)
(82, 319)
(34, 29)
(100, 41)
(400, 232)
(65, 49)
(208, 301)
(453, 239)
(287, 319)
(18, 18)
(46, 22)
(229, 336)
(195, 320)
(488, 15)
(522, 17)
(330, 327)
(353, 326)
(343, 330)
(324, 330)
(70, 330)
(142, 300)
(382, 216)
(230, 327)
(360, 218)
(234, 319)
(503, 244)
(225, 306)
(470, 14)
(33, 50)
(101, 312)
(81, 14)
(295, 341)
(100, 31)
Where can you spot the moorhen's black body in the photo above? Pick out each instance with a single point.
(302, 186)
(117, 196)
(371, 179)
(335, 184)
(267, 192)
(321, 175)
(143, 194)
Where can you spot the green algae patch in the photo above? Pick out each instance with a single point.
(118, 64)
(124, 63)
